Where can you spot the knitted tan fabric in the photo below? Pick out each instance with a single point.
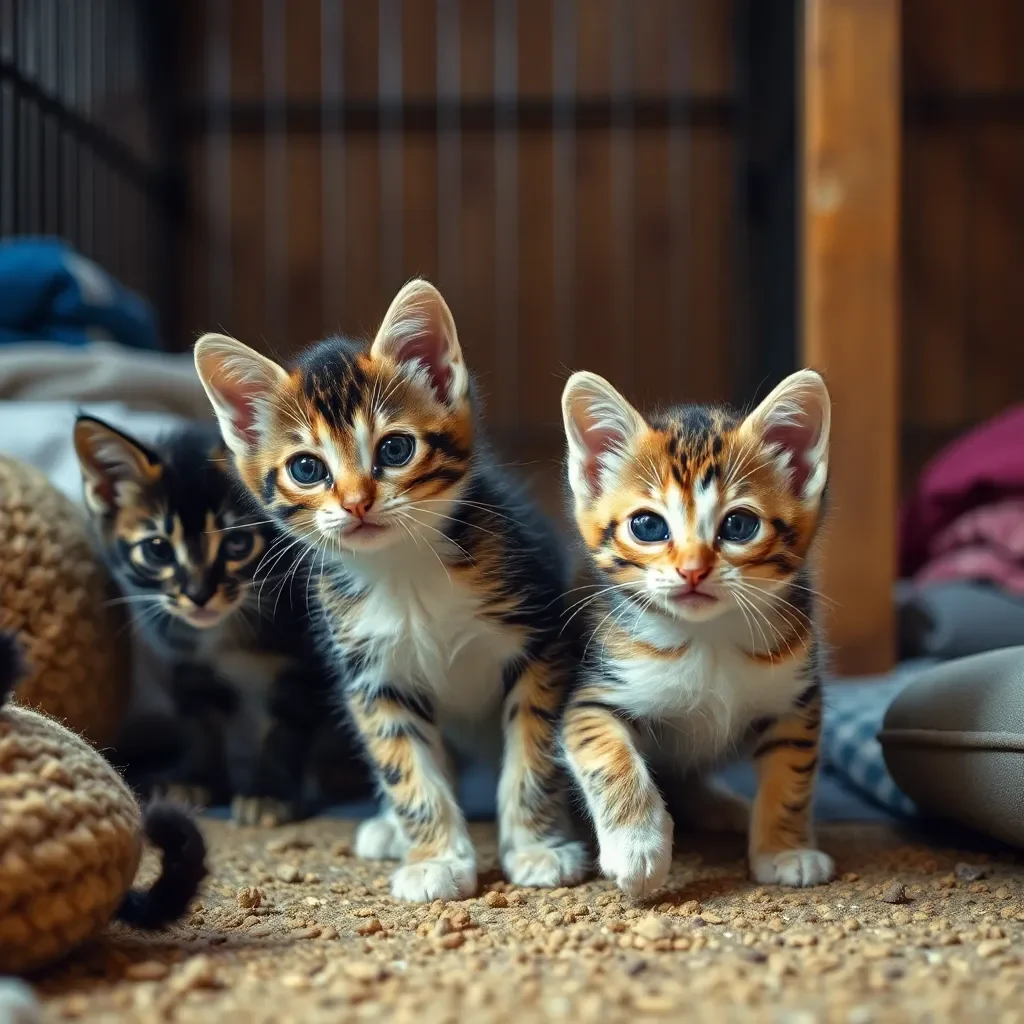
(70, 840)
(54, 595)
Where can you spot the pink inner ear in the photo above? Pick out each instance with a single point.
(428, 352)
(241, 398)
(796, 439)
(597, 442)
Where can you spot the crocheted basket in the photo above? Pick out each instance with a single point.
(71, 838)
(54, 595)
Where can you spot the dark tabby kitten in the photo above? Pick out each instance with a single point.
(185, 545)
(441, 584)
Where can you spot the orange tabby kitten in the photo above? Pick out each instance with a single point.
(699, 524)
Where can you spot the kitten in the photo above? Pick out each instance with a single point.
(182, 540)
(699, 525)
(441, 584)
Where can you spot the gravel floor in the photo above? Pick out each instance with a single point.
(292, 928)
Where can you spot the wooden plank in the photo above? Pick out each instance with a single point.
(709, 223)
(304, 276)
(419, 149)
(935, 267)
(937, 44)
(535, 404)
(596, 347)
(247, 315)
(652, 272)
(364, 299)
(996, 258)
(475, 297)
(850, 228)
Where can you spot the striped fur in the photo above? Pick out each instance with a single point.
(703, 645)
(440, 583)
(245, 682)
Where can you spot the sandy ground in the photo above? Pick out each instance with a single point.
(291, 927)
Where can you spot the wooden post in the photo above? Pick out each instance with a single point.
(850, 305)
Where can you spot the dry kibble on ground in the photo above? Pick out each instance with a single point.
(249, 897)
(147, 970)
(895, 892)
(365, 970)
(970, 872)
(710, 946)
(652, 927)
(197, 973)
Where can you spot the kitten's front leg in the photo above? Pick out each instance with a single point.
(782, 847)
(407, 752)
(271, 783)
(634, 830)
(269, 791)
(534, 827)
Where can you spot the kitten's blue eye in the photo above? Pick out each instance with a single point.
(649, 528)
(237, 545)
(157, 552)
(307, 470)
(395, 449)
(739, 527)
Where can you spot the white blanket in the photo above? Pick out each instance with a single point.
(42, 389)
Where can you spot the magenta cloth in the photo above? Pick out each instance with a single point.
(986, 543)
(984, 467)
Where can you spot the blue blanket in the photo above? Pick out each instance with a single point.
(49, 292)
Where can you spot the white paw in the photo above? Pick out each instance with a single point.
(638, 859)
(380, 838)
(793, 867)
(441, 878)
(546, 867)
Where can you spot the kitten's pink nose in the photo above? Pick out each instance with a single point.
(695, 577)
(358, 507)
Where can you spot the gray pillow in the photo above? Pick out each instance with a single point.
(953, 740)
(957, 619)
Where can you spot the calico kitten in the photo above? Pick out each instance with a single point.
(699, 525)
(184, 543)
(441, 583)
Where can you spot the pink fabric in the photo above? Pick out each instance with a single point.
(983, 468)
(986, 543)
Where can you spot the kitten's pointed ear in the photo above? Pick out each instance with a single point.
(115, 467)
(242, 386)
(795, 420)
(599, 426)
(419, 331)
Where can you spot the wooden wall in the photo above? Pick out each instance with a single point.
(963, 218)
(611, 247)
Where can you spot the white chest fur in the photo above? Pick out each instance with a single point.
(426, 628)
(701, 702)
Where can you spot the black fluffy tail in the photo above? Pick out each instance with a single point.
(11, 665)
(177, 836)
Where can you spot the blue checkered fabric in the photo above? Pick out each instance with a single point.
(850, 749)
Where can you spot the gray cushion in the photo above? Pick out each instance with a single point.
(957, 619)
(954, 742)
